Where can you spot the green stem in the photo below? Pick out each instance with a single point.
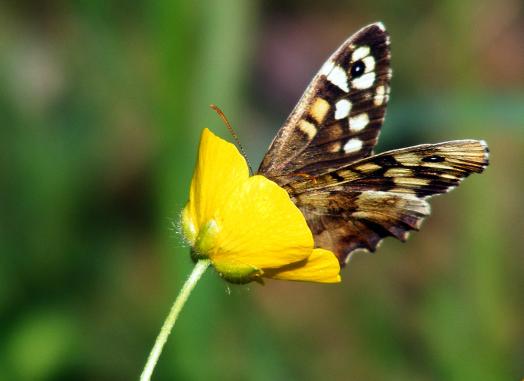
(199, 269)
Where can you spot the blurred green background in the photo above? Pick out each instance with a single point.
(101, 107)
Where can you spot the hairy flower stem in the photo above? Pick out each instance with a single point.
(199, 269)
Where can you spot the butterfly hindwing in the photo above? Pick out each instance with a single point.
(360, 220)
(359, 204)
(338, 118)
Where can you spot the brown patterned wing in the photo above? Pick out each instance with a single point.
(358, 205)
(338, 118)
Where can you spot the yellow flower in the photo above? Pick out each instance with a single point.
(248, 226)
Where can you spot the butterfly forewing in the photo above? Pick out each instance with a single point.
(338, 118)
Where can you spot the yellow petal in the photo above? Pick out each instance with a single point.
(220, 169)
(321, 266)
(248, 225)
(261, 227)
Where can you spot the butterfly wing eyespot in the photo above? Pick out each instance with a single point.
(433, 159)
(357, 69)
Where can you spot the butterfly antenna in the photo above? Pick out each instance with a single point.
(233, 133)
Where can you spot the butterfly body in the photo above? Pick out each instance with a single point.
(323, 155)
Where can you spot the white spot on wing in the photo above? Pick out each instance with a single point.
(484, 146)
(359, 122)
(380, 96)
(364, 82)
(326, 68)
(339, 78)
(360, 53)
(353, 145)
(369, 61)
(342, 109)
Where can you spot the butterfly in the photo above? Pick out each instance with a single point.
(323, 155)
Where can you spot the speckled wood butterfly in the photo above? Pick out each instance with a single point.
(323, 155)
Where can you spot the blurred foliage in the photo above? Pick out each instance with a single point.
(101, 107)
